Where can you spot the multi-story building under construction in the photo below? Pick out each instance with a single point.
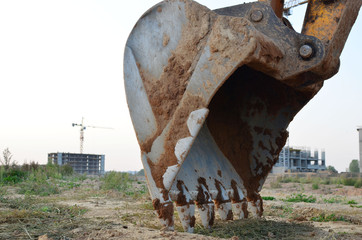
(299, 159)
(91, 164)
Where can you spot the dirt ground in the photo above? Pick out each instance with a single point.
(335, 214)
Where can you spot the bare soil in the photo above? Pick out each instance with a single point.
(117, 215)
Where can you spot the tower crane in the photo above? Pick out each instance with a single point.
(82, 128)
(291, 4)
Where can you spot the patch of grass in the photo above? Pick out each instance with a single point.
(116, 181)
(38, 188)
(288, 179)
(300, 197)
(327, 218)
(38, 218)
(279, 210)
(68, 185)
(275, 184)
(315, 186)
(332, 200)
(147, 205)
(257, 229)
(268, 198)
(38, 184)
(356, 206)
(123, 183)
(351, 202)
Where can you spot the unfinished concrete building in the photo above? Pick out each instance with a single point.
(91, 164)
(299, 159)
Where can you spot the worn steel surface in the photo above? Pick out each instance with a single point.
(211, 94)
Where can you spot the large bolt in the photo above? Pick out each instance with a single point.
(256, 16)
(306, 51)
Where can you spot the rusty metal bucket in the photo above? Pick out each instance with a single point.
(211, 94)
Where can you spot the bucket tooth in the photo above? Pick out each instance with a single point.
(207, 214)
(187, 217)
(225, 210)
(205, 205)
(185, 207)
(239, 201)
(241, 209)
(164, 211)
(256, 206)
(223, 202)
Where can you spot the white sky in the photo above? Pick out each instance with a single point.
(61, 60)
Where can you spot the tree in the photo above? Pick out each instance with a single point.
(7, 156)
(331, 169)
(354, 166)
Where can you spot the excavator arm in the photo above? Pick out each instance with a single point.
(211, 94)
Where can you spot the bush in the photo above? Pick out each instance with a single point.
(315, 186)
(326, 181)
(66, 170)
(358, 183)
(38, 184)
(32, 166)
(349, 181)
(12, 176)
(38, 188)
(116, 181)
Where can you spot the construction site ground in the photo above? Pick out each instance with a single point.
(292, 210)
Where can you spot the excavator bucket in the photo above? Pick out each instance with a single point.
(211, 94)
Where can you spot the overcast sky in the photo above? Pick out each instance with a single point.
(61, 60)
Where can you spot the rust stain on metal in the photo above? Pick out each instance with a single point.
(166, 39)
(192, 221)
(202, 197)
(230, 117)
(181, 198)
(164, 210)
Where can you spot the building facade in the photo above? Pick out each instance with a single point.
(297, 159)
(91, 164)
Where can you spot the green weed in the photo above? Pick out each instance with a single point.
(351, 202)
(332, 200)
(268, 198)
(327, 218)
(315, 186)
(38, 218)
(356, 206)
(300, 197)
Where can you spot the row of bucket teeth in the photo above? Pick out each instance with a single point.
(206, 203)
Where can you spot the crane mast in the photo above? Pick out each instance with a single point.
(82, 128)
(291, 4)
